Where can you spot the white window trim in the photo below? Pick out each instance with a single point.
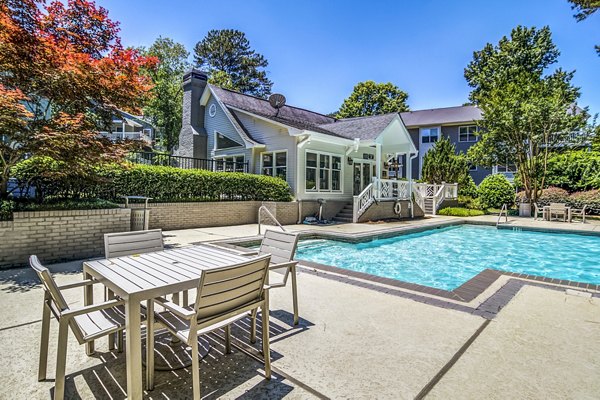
(439, 136)
(318, 175)
(275, 152)
(222, 157)
(474, 135)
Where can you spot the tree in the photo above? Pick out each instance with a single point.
(584, 9)
(65, 65)
(526, 114)
(442, 164)
(370, 98)
(165, 107)
(230, 62)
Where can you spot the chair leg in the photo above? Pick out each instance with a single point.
(294, 294)
(186, 299)
(265, 336)
(120, 343)
(61, 359)
(228, 339)
(44, 343)
(195, 367)
(253, 314)
(109, 295)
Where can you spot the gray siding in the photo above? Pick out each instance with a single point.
(450, 132)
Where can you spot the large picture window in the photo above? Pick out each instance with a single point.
(323, 172)
(467, 133)
(274, 164)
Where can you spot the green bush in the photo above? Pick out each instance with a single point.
(574, 170)
(469, 202)
(496, 190)
(163, 184)
(591, 199)
(6, 209)
(460, 212)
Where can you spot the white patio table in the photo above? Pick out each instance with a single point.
(144, 277)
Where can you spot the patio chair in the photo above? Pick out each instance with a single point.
(579, 212)
(225, 295)
(537, 211)
(128, 243)
(87, 323)
(558, 209)
(282, 247)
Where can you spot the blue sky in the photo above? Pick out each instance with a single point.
(318, 50)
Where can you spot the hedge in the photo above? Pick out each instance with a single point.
(549, 195)
(164, 184)
(460, 212)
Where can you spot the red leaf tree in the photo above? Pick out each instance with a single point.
(63, 75)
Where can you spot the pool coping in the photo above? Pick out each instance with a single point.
(465, 293)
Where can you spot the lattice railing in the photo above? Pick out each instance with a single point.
(362, 202)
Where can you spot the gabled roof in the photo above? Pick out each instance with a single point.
(349, 128)
(441, 116)
(360, 127)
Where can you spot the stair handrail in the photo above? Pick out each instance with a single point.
(362, 202)
(505, 209)
(418, 196)
(438, 198)
(265, 209)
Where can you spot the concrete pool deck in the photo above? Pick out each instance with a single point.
(352, 342)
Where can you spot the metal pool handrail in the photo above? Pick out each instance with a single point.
(265, 209)
(505, 209)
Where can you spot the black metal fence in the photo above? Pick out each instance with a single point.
(149, 158)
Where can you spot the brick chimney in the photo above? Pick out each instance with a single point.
(193, 137)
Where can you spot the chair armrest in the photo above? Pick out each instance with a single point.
(176, 309)
(93, 307)
(283, 265)
(73, 285)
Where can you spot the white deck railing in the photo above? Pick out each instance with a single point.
(392, 189)
(437, 192)
(362, 202)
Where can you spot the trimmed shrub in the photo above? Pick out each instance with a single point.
(496, 190)
(469, 202)
(6, 209)
(591, 199)
(460, 212)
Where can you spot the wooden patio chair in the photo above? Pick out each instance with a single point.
(579, 212)
(282, 247)
(87, 323)
(558, 209)
(225, 295)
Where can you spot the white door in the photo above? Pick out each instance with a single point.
(427, 138)
(364, 171)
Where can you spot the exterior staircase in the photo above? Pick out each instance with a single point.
(428, 203)
(345, 214)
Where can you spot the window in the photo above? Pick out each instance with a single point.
(234, 163)
(429, 135)
(467, 133)
(275, 164)
(223, 142)
(323, 172)
(472, 167)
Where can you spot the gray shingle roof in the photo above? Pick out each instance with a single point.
(361, 127)
(348, 128)
(441, 116)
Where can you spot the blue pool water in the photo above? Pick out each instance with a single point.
(446, 258)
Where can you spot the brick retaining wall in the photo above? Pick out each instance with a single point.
(58, 235)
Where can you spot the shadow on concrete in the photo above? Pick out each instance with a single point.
(19, 280)
(236, 375)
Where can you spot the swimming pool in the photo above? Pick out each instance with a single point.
(445, 258)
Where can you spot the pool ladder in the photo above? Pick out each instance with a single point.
(505, 210)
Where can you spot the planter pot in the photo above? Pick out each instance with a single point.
(524, 210)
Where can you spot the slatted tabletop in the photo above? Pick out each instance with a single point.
(144, 277)
(147, 275)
